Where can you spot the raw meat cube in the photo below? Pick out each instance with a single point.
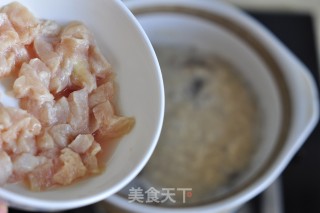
(72, 168)
(47, 54)
(47, 115)
(5, 167)
(62, 134)
(104, 92)
(5, 119)
(99, 65)
(26, 162)
(78, 31)
(79, 111)
(41, 177)
(45, 141)
(8, 36)
(62, 110)
(21, 122)
(103, 113)
(50, 30)
(26, 25)
(25, 143)
(81, 143)
(33, 82)
(82, 77)
(91, 163)
(61, 77)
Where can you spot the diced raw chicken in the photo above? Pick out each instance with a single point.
(26, 25)
(74, 46)
(25, 143)
(33, 82)
(104, 92)
(109, 124)
(78, 31)
(45, 51)
(82, 77)
(72, 168)
(8, 36)
(51, 153)
(61, 78)
(21, 122)
(103, 113)
(93, 124)
(99, 64)
(62, 110)
(17, 115)
(94, 149)
(118, 127)
(26, 162)
(62, 134)
(90, 160)
(81, 143)
(5, 119)
(31, 106)
(73, 49)
(38, 70)
(10, 136)
(49, 29)
(41, 177)
(12, 53)
(45, 141)
(51, 142)
(47, 115)
(85, 145)
(21, 56)
(7, 62)
(44, 44)
(74, 52)
(5, 167)
(91, 163)
(74, 66)
(25, 86)
(47, 146)
(79, 111)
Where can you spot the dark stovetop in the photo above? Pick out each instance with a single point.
(301, 179)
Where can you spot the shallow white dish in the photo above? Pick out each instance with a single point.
(140, 95)
(284, 88)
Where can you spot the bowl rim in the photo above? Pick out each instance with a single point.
(277, 72)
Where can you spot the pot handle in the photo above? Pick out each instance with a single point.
(306, 101)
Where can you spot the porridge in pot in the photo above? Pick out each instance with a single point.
(210, 125)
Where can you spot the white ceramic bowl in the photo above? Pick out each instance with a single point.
(141, 95)
(283, 86)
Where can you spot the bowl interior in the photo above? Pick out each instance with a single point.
(140, 95)
(207, 36)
